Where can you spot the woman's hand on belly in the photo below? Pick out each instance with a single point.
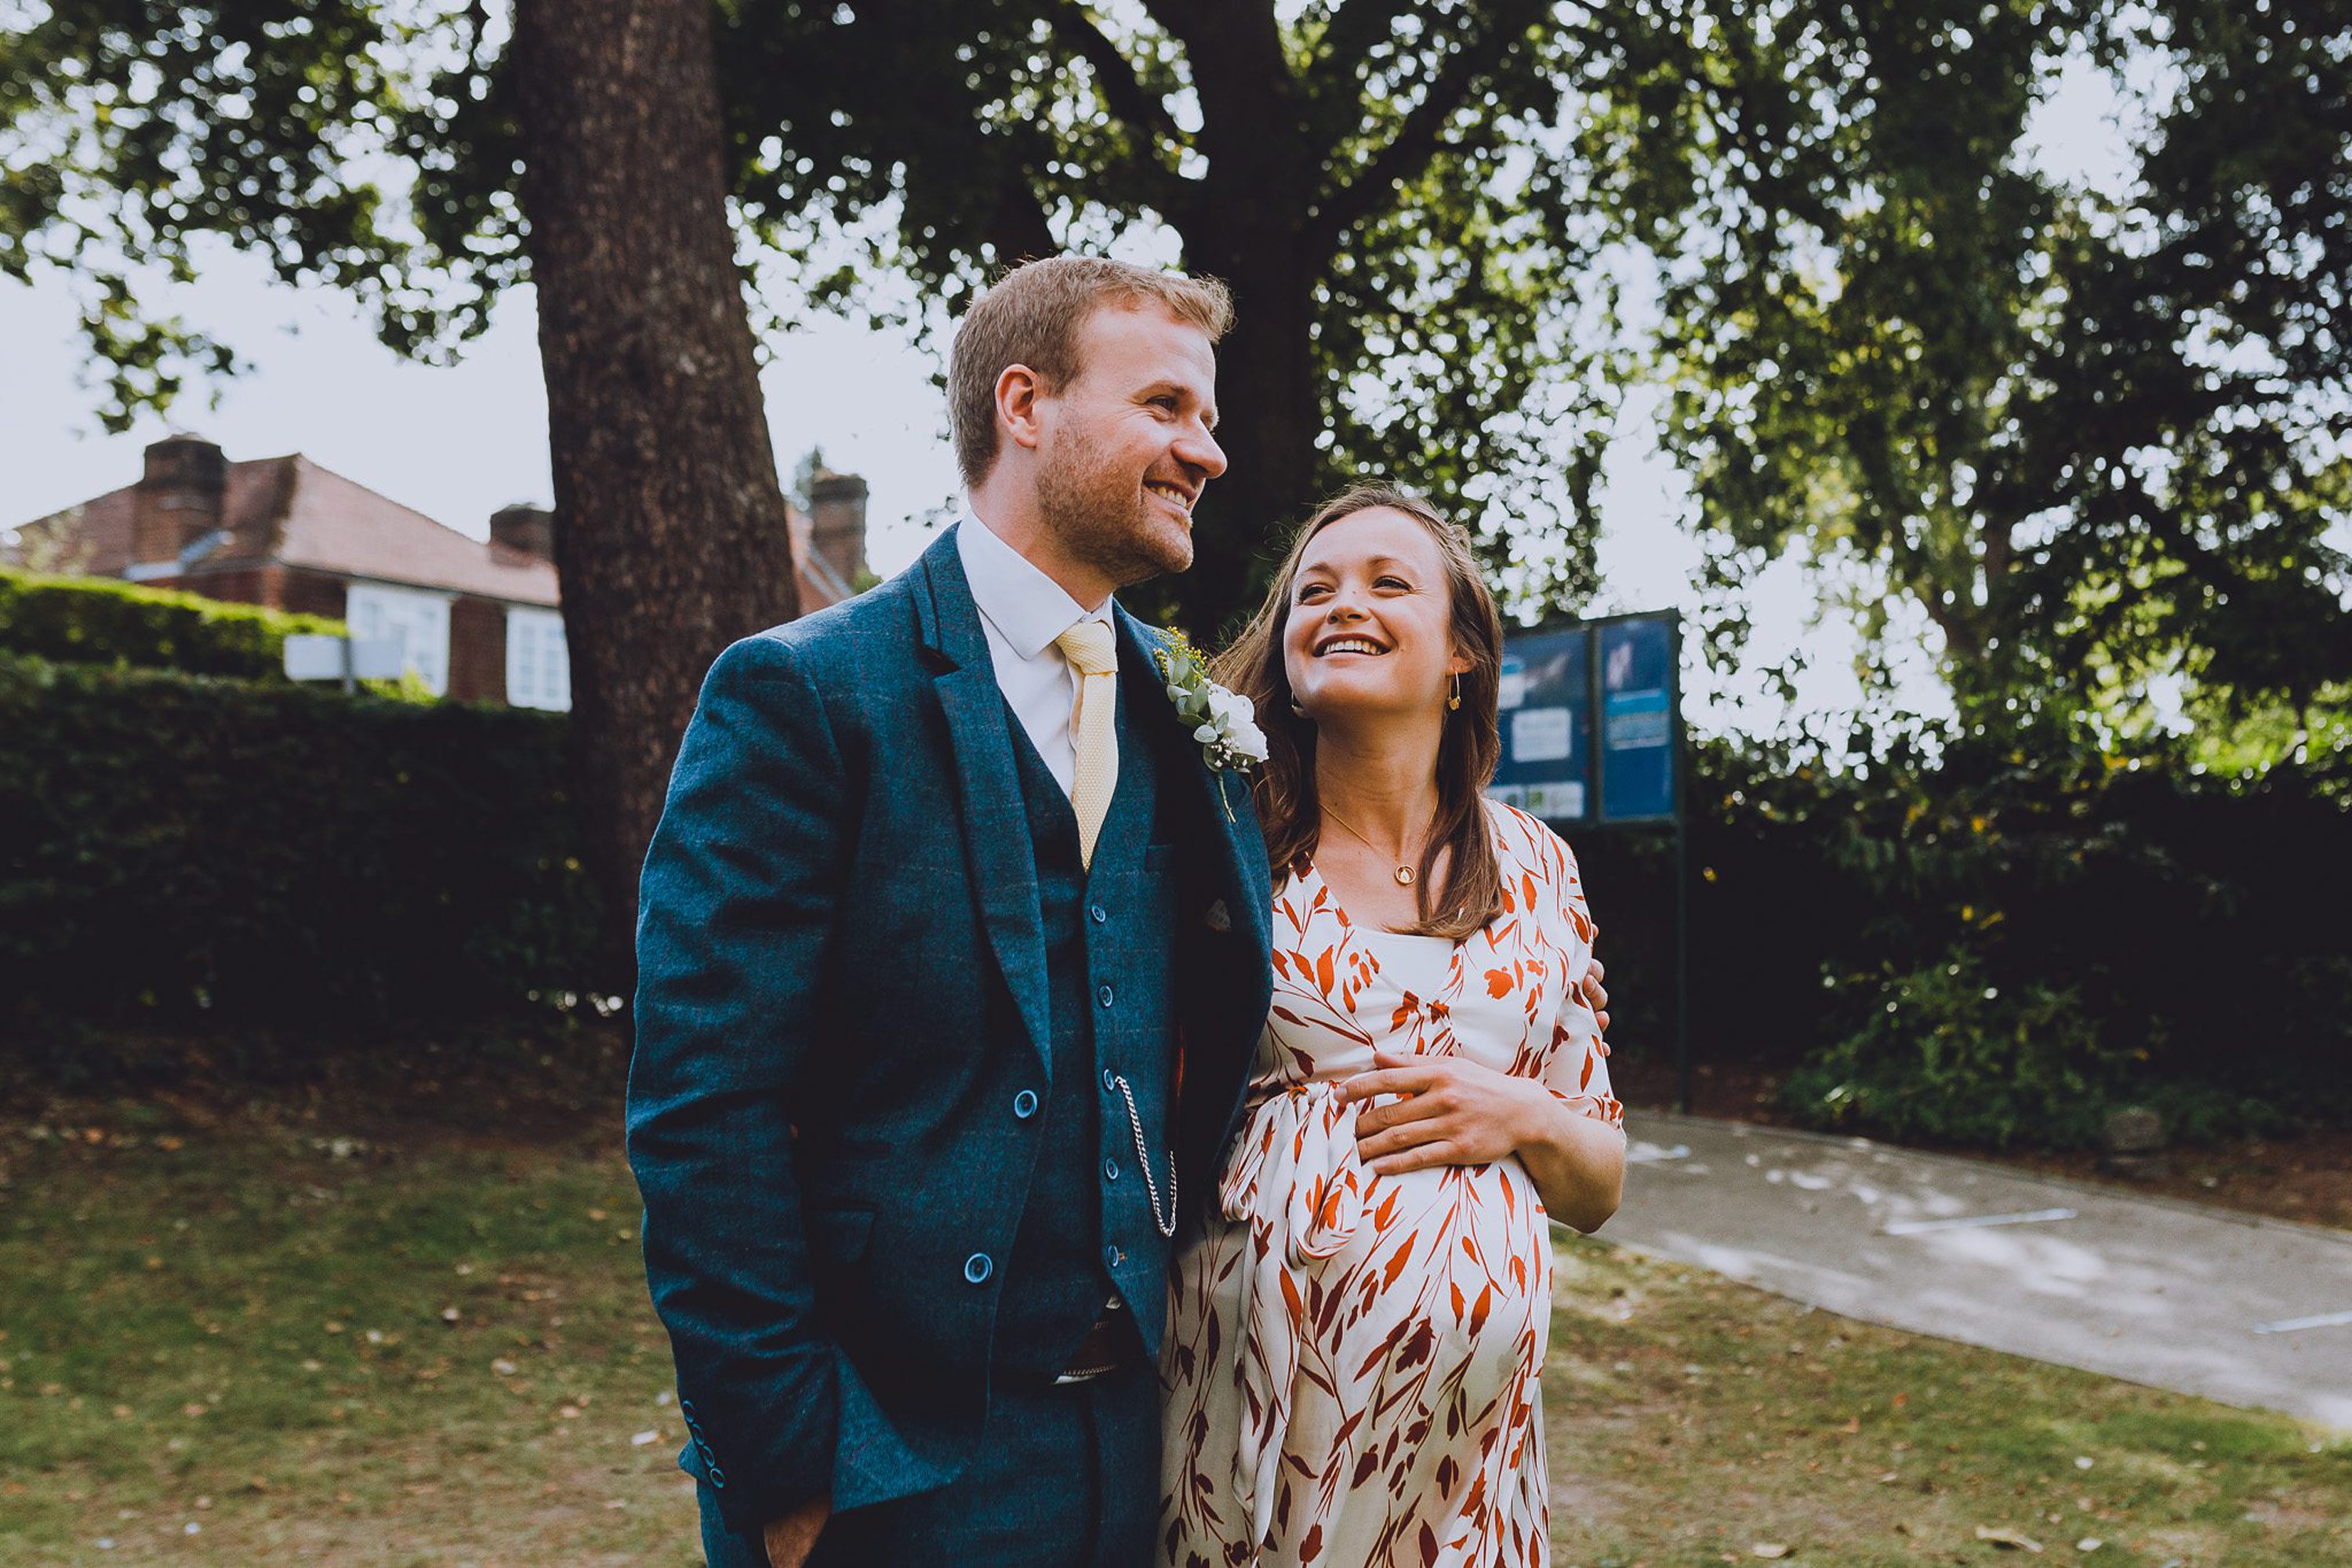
(1448, 1111)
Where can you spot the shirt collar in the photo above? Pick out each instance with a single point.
(1027, 608)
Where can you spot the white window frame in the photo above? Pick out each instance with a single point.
(539, 664)
(418, 617)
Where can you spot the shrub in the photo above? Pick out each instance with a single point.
(184, 852)
(92, 620)
(1943, 1055)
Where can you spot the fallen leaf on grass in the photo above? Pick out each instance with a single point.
(2008, 1540)
(2089, 1543)
(642, 1438)
(1769, 1549)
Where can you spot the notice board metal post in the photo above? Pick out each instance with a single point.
(1630, 702)
(1682, 886)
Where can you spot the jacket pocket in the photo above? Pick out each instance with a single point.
(839, 1237)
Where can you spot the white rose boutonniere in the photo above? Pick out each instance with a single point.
(1223, 721)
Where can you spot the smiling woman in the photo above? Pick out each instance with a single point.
(1352, 1355)
(1370, 664)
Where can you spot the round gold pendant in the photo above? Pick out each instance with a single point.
(1404, 876)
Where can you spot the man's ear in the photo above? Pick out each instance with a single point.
(1018, 394)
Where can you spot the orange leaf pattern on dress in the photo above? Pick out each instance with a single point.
(1352, 1361)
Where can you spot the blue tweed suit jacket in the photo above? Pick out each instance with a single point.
(841, 979)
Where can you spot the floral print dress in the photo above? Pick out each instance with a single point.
(1352, 1361)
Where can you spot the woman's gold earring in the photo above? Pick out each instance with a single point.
(1296, 706)
(1454, 702)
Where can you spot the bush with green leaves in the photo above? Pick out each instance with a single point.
(94, 620)
(186, 853)
(1944, 1055)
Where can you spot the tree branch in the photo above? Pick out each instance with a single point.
(1144, 112)
(1348, 42)
(1017, 228)
(1418, 140)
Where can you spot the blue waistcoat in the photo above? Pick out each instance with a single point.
(1086, 1230)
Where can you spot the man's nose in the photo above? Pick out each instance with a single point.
(1198, 449)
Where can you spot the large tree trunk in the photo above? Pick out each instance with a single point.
(670, 522)
(1251, 226)
(1269, 414)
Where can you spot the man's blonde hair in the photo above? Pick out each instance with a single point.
(1031, 317)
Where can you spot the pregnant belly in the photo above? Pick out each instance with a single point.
(1451, 1263)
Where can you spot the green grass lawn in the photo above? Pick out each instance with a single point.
(251, 1344)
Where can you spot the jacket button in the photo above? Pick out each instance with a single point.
(1104, 995)
(1098, 914)
(717, 1478)
(1024, 1104)
(1110, 1170)
(976, 1267)
(1113, 1256)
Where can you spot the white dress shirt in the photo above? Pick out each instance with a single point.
(1022, 611)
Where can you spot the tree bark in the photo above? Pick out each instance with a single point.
(1250, 226)
(671, 538)
(1269, 416)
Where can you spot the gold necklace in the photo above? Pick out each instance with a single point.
(1405, 875)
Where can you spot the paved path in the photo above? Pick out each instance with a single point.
(2246, 1311)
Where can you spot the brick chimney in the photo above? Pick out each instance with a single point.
(529, 529)
(837, 524)
(177, 502)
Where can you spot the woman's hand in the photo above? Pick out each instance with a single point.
(1596, 996)
(1455, 1113)
(1450, 1112)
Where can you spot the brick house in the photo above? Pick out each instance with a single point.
(481, 620)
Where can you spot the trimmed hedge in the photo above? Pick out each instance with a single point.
(94, 620)
(2126, 934)
(178, 852)
(1987, 949)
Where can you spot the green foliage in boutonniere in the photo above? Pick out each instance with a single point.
(1223, 721)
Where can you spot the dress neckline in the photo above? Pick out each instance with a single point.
(1353, 934)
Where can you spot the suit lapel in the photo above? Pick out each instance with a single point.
(995, 828)
(1248, 886)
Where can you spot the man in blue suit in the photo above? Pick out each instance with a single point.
(944, 899)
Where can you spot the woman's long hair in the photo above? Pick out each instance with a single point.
(1287, 806)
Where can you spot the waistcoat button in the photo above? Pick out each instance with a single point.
(976, 1267)
(1099, 915)
(1104, 995)
(1110, 1170)
(1024, 1104)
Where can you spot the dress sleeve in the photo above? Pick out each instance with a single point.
(1578, 1069)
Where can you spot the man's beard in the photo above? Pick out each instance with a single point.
(1105, 516)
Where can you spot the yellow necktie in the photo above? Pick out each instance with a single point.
(1093, 652)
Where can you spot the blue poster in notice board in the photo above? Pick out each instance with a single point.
(1637, 719)
(1546, 717)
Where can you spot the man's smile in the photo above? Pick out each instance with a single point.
(1181, 498)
